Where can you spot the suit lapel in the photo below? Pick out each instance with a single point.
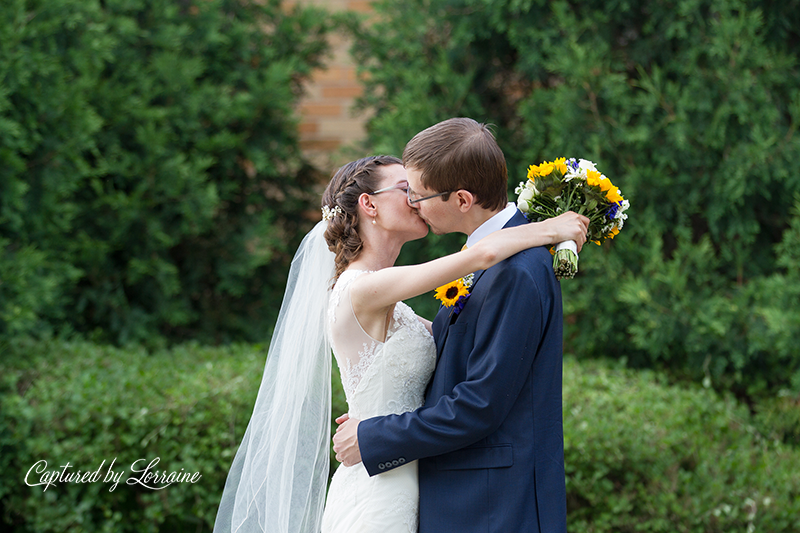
(445, 317)
(475, 277)
(440, 326)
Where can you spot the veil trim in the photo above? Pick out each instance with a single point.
(278, 478)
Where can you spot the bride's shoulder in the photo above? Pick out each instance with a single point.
(351, 274)
(346, 278)
(355, 272)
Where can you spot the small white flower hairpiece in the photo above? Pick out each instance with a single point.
(328, 213)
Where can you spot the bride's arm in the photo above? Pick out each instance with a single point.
(385, 287)
(427, 323)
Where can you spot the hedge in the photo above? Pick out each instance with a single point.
(640, 455)
(645, 456)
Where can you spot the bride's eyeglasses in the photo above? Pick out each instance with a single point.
(413, 197)
(403, 186)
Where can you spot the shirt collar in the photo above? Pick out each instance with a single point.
(495, 223)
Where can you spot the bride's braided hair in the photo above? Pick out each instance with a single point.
(347, 184)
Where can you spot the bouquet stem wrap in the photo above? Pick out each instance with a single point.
(565, 260)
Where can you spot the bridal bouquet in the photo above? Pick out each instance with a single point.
(572, 185)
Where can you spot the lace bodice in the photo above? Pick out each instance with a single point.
(379, 378)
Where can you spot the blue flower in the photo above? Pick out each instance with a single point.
(572, 164)
(460, 303)
(612, 211)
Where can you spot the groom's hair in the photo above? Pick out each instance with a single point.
(460, 153)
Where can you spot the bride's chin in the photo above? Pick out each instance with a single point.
(417, 234)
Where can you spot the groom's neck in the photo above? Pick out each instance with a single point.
(475, 217)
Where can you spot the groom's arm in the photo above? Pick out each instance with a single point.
(508, 332)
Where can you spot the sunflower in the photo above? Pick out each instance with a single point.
(613, 195)
(561, 165)
(545, 169)
(451, 293)
(593, 178)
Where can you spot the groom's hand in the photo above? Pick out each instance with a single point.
(345, 441)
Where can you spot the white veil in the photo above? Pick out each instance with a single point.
(278, 478)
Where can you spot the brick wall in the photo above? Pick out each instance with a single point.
(328, 126)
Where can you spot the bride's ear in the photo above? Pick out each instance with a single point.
(365, 205)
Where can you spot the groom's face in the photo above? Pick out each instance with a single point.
(442, 217)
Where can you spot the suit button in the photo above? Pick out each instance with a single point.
(381, 466)
(395, 463)
(402, 460)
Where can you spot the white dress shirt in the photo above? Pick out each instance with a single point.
(493, 224)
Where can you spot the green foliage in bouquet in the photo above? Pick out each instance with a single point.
(150, 181)
(693, 105)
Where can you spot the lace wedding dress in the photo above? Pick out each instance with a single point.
(379, 378)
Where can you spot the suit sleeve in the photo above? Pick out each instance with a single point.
(508, 331)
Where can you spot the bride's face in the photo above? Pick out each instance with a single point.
(393, 212)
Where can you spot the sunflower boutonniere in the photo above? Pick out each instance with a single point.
(455, 293)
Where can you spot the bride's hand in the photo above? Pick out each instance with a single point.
(569, 226)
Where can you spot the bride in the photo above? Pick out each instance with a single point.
(344, 294)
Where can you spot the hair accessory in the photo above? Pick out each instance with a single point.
(328, 213)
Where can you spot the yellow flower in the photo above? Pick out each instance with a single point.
(451, 292)
(546, 168)
(561, 165)
(535, 171)
(593, 177)
(614, 231)
(613, 195)
(606, 185)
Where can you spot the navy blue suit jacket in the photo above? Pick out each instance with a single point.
(489, 438)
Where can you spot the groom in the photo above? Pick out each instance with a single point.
(489, 438)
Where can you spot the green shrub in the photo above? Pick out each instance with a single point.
(150, 178)
(779, 418)
(691, 107)
(84, 403)
(81, 403)
(640, 455)
(643, 456)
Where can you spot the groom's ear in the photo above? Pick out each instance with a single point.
(464, 200)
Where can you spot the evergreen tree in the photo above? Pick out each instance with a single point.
(150, 173)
